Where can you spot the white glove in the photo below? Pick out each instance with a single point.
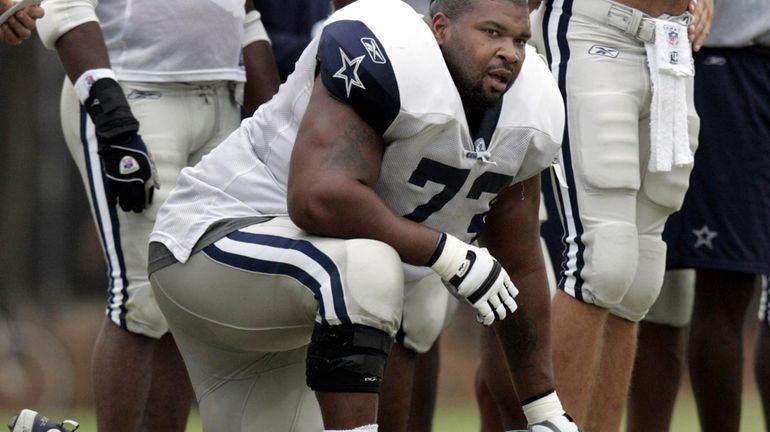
(561, 423)
(475, 276)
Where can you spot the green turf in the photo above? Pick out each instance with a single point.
(463, 417)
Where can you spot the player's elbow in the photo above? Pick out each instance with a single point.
(314, 208)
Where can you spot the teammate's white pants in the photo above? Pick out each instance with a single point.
(179, 123)
(613, 208)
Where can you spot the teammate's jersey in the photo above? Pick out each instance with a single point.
(162, 40)
(740, 23)
(433, 171)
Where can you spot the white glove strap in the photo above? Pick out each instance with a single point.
(253, 29)
(88, 78)
(452, 256)
(542, 409)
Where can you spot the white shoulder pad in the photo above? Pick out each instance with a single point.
(62, 16)
(534, 103)
(537, 101)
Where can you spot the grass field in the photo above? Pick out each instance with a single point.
(463, 417)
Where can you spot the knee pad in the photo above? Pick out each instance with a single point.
(674, 304)
(347, 358)
(648, 280)
(610, 262)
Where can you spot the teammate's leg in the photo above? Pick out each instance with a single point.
(168, 410)
(762, 369)
(424, 390)
(396, 396)
(119, 397)
(605, 409)
(577, 334)
(660, 355)
(716, 344)
(656, 377)
(490, 415)
(498, 402)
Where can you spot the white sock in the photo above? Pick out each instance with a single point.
(366, 428)
(543, 408)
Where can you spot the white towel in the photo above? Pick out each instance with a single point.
(670, 61)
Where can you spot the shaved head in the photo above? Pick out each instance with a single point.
(456, 8)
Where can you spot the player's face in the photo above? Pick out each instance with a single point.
(484, 49)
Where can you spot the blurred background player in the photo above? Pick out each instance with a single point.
(20, 25)
(721, 232)
(618, 187)
(146, 91)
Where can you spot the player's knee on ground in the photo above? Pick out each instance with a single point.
(351, 357)
(645, 288)
(348, 358)
(610, 262)
(674, 304)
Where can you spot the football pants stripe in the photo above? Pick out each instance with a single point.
(298, 259)
(555, 27)
(107, 224)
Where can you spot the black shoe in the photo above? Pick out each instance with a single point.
(30, 421)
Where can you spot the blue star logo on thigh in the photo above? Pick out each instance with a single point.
(349, 72)
(704, 236)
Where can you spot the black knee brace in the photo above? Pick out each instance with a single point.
(347, 358)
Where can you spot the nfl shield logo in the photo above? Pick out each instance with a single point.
(673, 37)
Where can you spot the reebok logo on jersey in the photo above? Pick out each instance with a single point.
(603, 51)
(373, 50)
(128, 165)
(349, 72)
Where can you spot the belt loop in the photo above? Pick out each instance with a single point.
(634, 23)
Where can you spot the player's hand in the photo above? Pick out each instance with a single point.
(130, 176)
(129, 173)
(703, 12)
(562, 423)
(19, 27)
(473, 275)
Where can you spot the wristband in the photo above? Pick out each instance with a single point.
(88, 78)
(542, 408)
(449, 256)
(108, 108)
(253, 29)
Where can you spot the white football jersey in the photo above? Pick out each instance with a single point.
(433, 172)
(160, 40)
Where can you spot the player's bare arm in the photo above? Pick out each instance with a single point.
(82, 49)
(130, 174)
(262, 78)
(512, 229)
(334, 167)
(512, 236)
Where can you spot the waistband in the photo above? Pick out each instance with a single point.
(632, 22)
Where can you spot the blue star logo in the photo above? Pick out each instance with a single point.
(704, 236)
(349, 72)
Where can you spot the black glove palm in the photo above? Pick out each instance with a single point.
(129, 172)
